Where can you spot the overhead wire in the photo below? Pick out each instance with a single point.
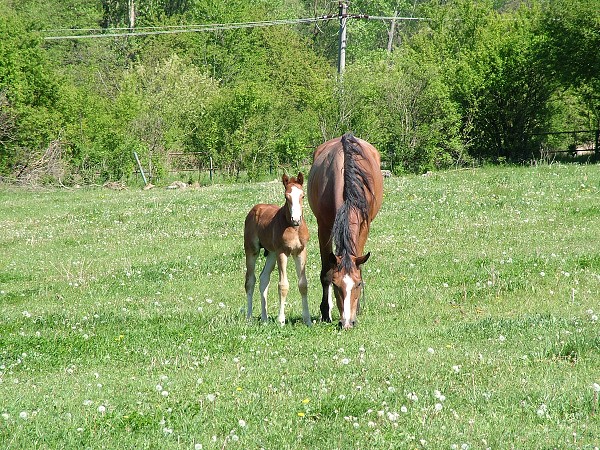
(197, 28)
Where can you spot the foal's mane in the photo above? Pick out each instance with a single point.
(355, 180)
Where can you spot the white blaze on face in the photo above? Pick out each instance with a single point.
(296, 210)
(348, 284)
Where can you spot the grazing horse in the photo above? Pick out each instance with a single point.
(345, 191)
(282, 232)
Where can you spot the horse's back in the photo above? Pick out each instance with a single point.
(326, 179)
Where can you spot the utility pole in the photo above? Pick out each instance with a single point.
(391, 32)
(131, 8)
(342, 46)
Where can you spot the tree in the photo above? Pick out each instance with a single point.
(571, 31)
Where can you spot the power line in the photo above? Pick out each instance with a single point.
(189, 28)
(175, 29)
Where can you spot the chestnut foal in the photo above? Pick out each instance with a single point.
(282, 232)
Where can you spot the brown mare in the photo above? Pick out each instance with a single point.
(345, 191)
(282, 232)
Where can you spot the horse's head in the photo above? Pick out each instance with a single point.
(347, 286)
(294, 196)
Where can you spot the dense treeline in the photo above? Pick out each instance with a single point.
(475, 80)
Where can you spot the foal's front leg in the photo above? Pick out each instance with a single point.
(265, 278)
(284, 286)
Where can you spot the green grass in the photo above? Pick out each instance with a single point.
(122, 321)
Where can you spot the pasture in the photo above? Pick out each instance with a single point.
(122, 320)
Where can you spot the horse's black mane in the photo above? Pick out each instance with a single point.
(355, 179)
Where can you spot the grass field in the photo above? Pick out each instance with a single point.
(122, 321)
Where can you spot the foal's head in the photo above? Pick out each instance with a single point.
(347, 285)
(294, 196)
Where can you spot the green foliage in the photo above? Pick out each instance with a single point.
(570, 48)
(30, 90)
(401, 104)
(474, 80)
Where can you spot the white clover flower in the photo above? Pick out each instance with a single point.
(542, 410)
(430, 351)
(403, 409)
(456, 369)
(596, 387)
(101, 409)
(197, 446)
(345, 361)
(159, 388)
(242, 423)
(211, 397)
(165, 393)
(23, 415)
(438, 406)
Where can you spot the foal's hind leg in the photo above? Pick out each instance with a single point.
(265, 278)
(284, 286)
(300, 261)
(251, 257)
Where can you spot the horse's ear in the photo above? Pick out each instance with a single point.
(333, 262)
(362, 259)
(300, 178)
(285, 179)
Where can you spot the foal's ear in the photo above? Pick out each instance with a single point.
(362, 259)
(285, 179)
(300, 178)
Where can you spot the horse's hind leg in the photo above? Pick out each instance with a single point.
(300, 261)
(265, 278)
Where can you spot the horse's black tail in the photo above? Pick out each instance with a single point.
(355, 181)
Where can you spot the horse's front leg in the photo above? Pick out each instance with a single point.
(284, 286)
(325, 247)
(265, 278)
(300, 261)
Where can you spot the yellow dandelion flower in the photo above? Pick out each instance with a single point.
(301, 414)
(305, 401)
(239, 389)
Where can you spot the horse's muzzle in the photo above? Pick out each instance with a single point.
(347, 325)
